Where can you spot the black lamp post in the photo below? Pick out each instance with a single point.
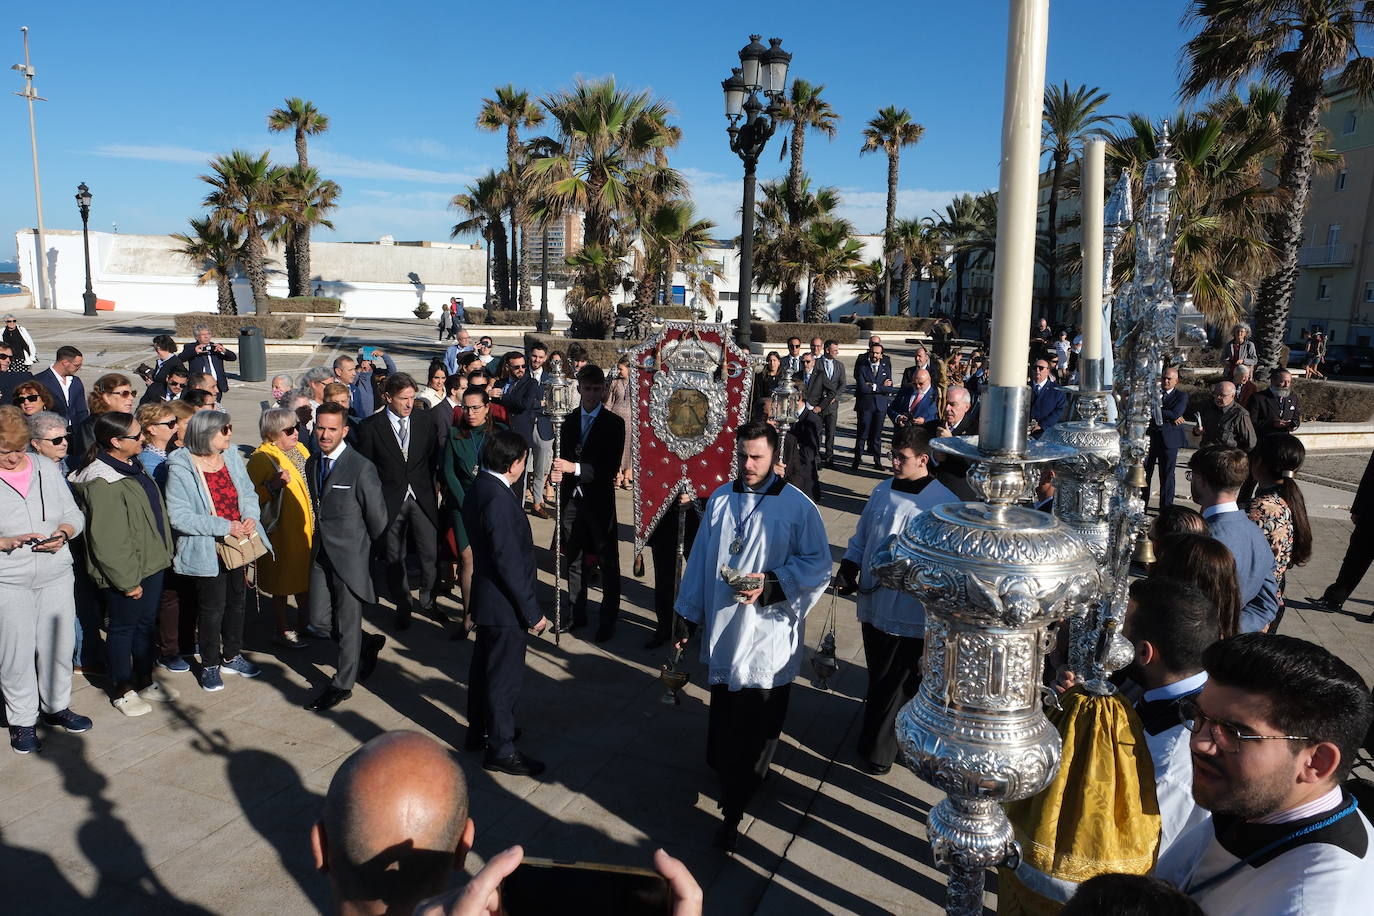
(545, 324)
(761, 70)
(83, 203)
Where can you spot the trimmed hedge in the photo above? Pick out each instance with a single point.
(881, 323)
(279, 327)
(520, 319)
(603, 353)
(474, 315)
(1318, 401)
(675, 312)
(320, 305)
(779, 332)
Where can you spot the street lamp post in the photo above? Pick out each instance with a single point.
(545, 325)
(83, 203)
(761, 70)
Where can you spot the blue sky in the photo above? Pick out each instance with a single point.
(141, 93)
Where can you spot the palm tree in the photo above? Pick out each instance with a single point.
(804, 109)
(1297, 44)
(963, 226)
(305, 200)
(218, 249)
(246, 196)
(915, 240)
(867, 282)
(1070, 118)
(303, 118)
(511, 110)
(781, 247)
(834, 256)
(481, 205)
(591, 310)
(891, 130)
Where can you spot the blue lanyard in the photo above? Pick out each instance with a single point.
(739, 526)
(1280, 842)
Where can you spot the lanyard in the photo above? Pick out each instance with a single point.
(739, 526)
(1277, 844)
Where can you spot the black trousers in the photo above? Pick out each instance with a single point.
(831, 417)
(220, 625)
(663, 548)
(411, 520)
(580, 540)
(498, 667)
(1166, 459)
(333, 604)
(894, 674)
(870, 433)
(1358, 557)
(741, 737)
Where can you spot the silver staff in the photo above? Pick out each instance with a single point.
(560, 399)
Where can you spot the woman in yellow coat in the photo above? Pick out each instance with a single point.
(278, 467)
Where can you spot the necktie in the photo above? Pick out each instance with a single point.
(586, 426)
(403, 434)
(326, 465)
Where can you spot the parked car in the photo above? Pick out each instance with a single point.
(1341, 359)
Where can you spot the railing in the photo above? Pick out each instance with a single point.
(1326, 256)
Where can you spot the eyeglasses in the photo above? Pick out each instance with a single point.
(126, 393)
(1227, 737)
(55, 440)
(27, 398)
(473, 406)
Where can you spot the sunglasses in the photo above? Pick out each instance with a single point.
(6, 356)
(176, 386)
(133, 438)
(27, 398)
(292, 430)
(55, 440)
(227, 428)
(126, 393)
(170, 424)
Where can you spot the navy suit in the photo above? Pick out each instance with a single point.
(1047, 404)
(503, 605)
(1254, 567)
(521, 400)
(71, 405)
(1166, 438)
(872, 394)
(906, 405)
(211, 361)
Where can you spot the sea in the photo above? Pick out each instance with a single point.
(9, 267)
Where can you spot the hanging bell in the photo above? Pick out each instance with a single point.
(824, 662)
(1144, 552)
(1135, 478)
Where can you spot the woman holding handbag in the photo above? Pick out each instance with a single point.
(128, 548)
(214, 512)
(277, 469)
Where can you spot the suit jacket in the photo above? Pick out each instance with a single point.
(924, 410)
(160, 372)
(543, 425)
(10, 381)
(816, 391)
(156, 393)
(869, 389)
(198, 362)
(1266, 407)
(415, 470)
(521, 400)
(350, 513)
(835, 381)
(951, 470)
(1254, 567)
(1363, 505)
(503, 567)
(1172, 405)
(593, 511)
(73, 405)
(1047, 404)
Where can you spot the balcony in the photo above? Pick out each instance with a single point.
(1326, 256)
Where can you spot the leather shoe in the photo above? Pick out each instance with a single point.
(331, 697)
(402, 619)
(517, 764)
(875, 769)
(727, 837)
(540, 512)
(564, 628)
(367, 663)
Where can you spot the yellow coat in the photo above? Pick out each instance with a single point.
(288, 572)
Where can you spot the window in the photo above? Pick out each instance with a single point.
(1350, 121)
(1333, 234)
(1369, 292)
(1341, 177)
(1324, 288)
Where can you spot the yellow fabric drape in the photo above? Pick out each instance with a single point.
(287, 570)
(1099, 815)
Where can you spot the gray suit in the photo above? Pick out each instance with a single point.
(835, 382)
(348, 503)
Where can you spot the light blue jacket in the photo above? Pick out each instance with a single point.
(194, 522)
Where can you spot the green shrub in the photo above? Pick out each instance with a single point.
(674, 312)
(274, 327)
(1323, 402)
(520, 319)
(320, 305)
(474, 315)
(779, 332)
(880, 323)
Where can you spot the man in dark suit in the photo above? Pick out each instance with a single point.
(959, 420)
(833, 371)
(522, 397)
(813, 387)
(167, 360)
(915, 404)
(350, 513)
(541, 444)
(1167, 435)
(503, 602)
(201, 355)
(68, 394)
(1047, 399)
(404, 450)
(168, 388)
(9, 379)
(1360, 552)
(595, 438)
(872, 395)
(791, 363)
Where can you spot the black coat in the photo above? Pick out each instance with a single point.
(503, 567)
(589, 499)
(212, 362)
(375, 439)
(77, 409)
(521, 400)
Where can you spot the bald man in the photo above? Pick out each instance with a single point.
(395, 823)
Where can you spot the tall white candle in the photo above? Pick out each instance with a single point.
(1013, 279)
(1092, 178)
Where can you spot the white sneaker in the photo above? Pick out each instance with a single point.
(159, 693)
(131, 704)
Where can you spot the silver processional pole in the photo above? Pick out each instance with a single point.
(560, 399)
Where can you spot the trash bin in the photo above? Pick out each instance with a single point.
(252, 355)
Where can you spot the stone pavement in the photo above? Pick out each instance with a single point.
(204, 806)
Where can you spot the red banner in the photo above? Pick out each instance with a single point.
(692, 389)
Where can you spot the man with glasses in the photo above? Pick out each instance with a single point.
(204, 355)
(168, 389)
(1167, 434)
(1225, 423)
(1048, 400)
(10, 378)
(68, 394)
(521, 398)
(462, 343)
(1274, 734)
(791, 363)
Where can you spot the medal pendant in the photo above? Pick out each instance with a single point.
(736, 546)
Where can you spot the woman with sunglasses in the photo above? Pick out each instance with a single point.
(111, 391)
(210, 495)
(278, 467)
(32, 398)
(159, 426)
(24, 352)
(128, 548)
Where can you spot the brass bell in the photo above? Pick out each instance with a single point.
(1135, 478)
(1144, 552)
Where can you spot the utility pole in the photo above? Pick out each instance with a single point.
(31, 95)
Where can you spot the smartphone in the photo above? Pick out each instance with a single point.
(369, 353)
(45, 542)
(584, 887)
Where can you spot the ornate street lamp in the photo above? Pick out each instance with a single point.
(83, 203)
(761, 70)
(545, 325)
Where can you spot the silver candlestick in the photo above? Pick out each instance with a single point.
(560, 399)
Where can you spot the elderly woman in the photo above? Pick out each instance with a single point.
(1240, 350)
(159, 424)
(462, 462)
(210, 495)
(24, 351)
(128, 548)
(111, 391)
(48, 437)
(312, 384)
(277, 469)
(38, 516)
(32, 398)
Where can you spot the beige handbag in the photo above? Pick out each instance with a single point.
(233, 552)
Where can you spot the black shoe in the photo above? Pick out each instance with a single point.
(517, 764)
(1330, 601)
(432, 611)
(372, 646)
(657, 642)
(727, 837)
(402, 619)
(874, 769)
(331, 697)
(855, 465)
(603, 634)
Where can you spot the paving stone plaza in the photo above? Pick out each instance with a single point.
(205, 804)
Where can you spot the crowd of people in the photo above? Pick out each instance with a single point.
(129, 526)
